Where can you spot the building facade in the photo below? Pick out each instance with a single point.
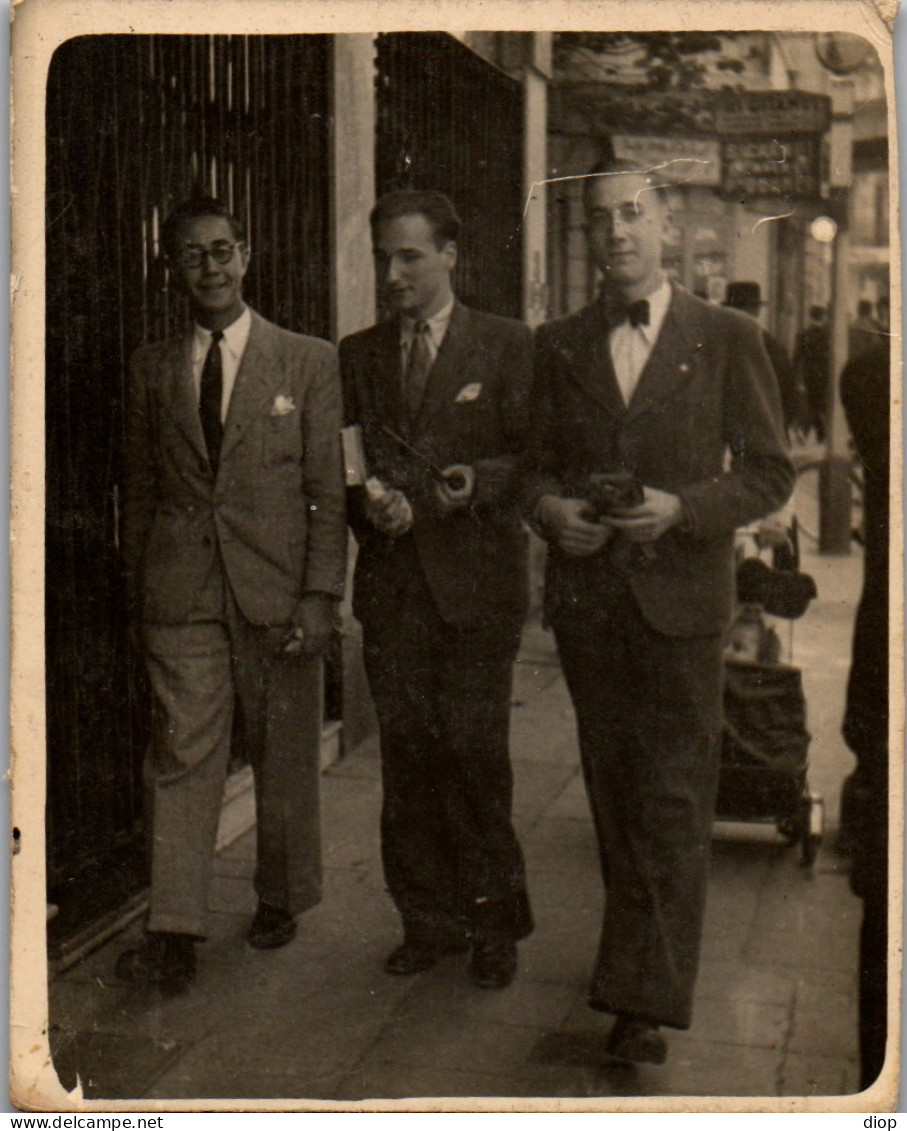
(756, 153)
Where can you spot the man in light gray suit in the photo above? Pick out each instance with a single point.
(235, 550)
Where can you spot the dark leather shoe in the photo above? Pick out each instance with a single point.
(272, 927)
(412, 958)
(494, 964)
(639, 1042)
(164, 959)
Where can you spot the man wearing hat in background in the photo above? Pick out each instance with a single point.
(748, 298)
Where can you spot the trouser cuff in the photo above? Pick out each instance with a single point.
(510, 917)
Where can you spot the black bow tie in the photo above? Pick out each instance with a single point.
(636, 313)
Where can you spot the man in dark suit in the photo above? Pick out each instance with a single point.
(748, 298)
(812, 361)
(865, 332)
(866, 397)
(441, 588)
(234, 536)
(653, 382)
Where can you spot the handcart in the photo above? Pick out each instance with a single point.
(765, 744)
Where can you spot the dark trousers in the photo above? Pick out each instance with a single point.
(648, 711)
(197, 670)
(817, 401)
(874, 983)
(452, 862)
(869, 880)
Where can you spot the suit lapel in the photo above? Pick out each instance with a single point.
(385, 376)
(450, 371)
(258, 374)
(672, 359)
(590, 359)
(179, 391)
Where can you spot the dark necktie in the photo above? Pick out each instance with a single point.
(209, 402)
(418, 366)
(636, 313)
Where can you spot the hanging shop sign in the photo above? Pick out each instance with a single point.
(756, 167)
(774, 112)
(749, 144)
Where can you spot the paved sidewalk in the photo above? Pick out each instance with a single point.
(776, 1003)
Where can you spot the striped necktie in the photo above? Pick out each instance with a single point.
(418, 366)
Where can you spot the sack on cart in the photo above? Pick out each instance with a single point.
(765, 743)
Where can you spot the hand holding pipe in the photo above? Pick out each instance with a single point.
(456, 481)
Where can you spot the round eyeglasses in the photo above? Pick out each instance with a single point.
(194, 255)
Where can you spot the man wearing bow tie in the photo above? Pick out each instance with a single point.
(441, 394)
(234, 543)
(653, 382)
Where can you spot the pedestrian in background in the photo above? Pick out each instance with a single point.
(812, 361)
(865, 331)
(748, 298)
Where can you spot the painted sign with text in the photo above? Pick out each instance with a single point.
(760, 166)
(776, 112)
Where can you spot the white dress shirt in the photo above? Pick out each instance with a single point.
(631, 345)
(232, 347)
(434, 335)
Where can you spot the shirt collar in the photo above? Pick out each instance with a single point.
(659, 301)
(236, 335)
(437, 324)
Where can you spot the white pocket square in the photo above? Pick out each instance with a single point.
(469, 393)
(282, 405)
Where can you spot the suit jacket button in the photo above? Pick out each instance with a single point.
(206, 541)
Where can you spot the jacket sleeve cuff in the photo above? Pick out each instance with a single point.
(328, 600)
(536, 518)
(687, 524)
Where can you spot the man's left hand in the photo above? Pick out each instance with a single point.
(652, 518)
(456, 488)
(311, 636)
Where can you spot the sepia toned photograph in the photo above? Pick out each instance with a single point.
(456, 498)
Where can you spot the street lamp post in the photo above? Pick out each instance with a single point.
(834, 473)
(834, 478)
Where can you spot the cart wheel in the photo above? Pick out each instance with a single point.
(791, 828)
(813, 827)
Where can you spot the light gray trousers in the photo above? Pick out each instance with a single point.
(198, 672)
